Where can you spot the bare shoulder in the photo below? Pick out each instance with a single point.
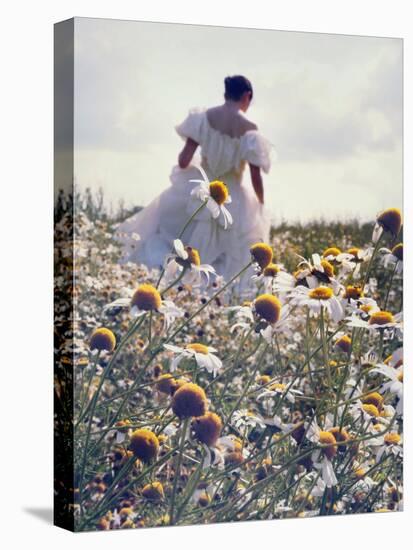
(248, 124)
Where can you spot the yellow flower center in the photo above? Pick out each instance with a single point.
(344, 343)
(146, 298)
(327, 438)
(378, 427)
(144, 444)
(153, 491)
(332, 251)
(271, 270)
(354, 251)
(189, 400)
(207, 428)
(268, 307)
(374, 399)
(198, 348)
(392, 438)
(218, 191)
(261, 254)
(277, 386)
(381, 318)
(204, 499)
(360, 472)
(391, 220)
(398, 251)
(321, 293)
(328, 268)
(353, 292)
(103, 339)
(193, 256)
(371, 410)
(366, 308)
(400, 376)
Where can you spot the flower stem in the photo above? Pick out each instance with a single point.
(178, 469)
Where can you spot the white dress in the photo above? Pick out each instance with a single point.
(223, 158)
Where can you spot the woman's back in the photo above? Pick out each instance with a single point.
(229, 121)
(227, 140)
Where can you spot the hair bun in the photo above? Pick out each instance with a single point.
(236, 86)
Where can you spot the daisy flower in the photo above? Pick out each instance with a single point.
(322, 457)
(395, 383)
(345, 261)
(317, 299)
(243, 316)
(377, 320)
(244, 418)
(317, 270)
(216, 194)
(393, 257)
(147, 298)
(187, 259)
(203, 355)
(270, 315)
(279, 390)
(389, 221)
(388, 444)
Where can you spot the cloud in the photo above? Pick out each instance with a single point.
(330, 104)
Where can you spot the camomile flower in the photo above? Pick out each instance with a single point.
(343, 260)
(362, 307)
(215, 455)
(204, 492)
(267, 276)
(244, 316)
(317, 270)
(393, 257)
(276, 389)
(244, 419)
(204, 356)
(147, 298)
(270, 315)
(322, 457)
(377, 320)
(368, 412)
(389, 443)
(216, 194)
(389, 221)
(395, 383)
(187, 260)
(317, 299)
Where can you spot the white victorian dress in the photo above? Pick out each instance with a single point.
(223, 158)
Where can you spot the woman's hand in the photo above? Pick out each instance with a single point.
(257, 184)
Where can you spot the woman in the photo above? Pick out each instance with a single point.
(227, 141)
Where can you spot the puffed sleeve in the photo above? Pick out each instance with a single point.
(191, 127)
(255, 149)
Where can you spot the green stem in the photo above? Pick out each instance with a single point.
(178, 469)
(181, 235)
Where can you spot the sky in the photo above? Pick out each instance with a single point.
(331, 105)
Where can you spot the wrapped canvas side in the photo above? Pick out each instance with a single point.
(63, 274)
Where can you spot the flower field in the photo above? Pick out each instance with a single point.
(195, 404)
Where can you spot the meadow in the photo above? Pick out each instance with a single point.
(184, 403)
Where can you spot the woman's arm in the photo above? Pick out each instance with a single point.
(257, 184)
(185, 156)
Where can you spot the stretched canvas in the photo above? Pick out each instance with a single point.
(228, 274)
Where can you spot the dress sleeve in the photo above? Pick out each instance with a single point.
(191, 126)
(255, 149)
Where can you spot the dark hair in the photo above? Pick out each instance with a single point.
(236, 86)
